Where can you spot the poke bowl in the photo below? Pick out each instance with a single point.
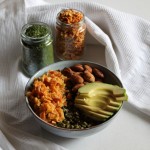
(52, 96)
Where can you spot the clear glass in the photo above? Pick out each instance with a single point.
(37, 52)
(70, 39)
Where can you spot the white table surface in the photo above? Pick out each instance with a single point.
(130, 130)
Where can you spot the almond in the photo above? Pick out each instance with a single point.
(76, 79)
(87, 67)
(98, 73)
(88, 76)
(67, 72)
(78, 68)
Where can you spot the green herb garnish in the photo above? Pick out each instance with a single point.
(36, 31)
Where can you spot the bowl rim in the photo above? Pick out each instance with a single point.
(57, 63)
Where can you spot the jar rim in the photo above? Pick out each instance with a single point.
(72, 24)
(36, 39)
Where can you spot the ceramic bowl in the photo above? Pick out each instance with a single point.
(73, 133)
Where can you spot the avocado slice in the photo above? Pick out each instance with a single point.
(96, 93)
(94, 109)
(111, 108)
(115, 104)
(122, 98)
(99, 100)
(94, 86)
(96, 116)
(112, 101)
(95, 101)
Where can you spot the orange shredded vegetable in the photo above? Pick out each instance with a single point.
(47, 96)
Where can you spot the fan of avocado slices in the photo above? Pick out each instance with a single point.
(99, 101)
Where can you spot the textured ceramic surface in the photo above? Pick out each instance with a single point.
(74, 133)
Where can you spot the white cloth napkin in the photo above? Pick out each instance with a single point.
(127, 44)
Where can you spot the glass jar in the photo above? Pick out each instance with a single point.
(70, 34)
(37, 48)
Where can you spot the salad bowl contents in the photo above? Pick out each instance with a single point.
(74, 98)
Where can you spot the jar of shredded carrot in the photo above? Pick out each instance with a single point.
(70, 34)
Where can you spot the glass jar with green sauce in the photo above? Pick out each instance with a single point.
(37, 47)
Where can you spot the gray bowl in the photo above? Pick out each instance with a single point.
(73, 133)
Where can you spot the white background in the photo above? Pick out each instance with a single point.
(137, 7)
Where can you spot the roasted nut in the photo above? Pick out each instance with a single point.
(78, 73)
(88, 76)
(76, 79)
(67, 72)
(87, 67)
(98, 73)
(78, 68)
(76, 87)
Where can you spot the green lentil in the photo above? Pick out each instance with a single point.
(74, 119)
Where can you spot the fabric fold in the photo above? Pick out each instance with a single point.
(103, 38)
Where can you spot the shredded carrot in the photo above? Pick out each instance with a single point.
(47, 96)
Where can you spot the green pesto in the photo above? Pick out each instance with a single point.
(36, 31)
(36, 58)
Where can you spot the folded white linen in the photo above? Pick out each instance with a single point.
(127, 43)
